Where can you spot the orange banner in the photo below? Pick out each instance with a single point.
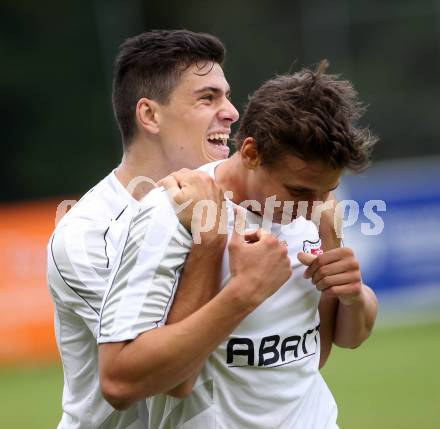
(26, 310)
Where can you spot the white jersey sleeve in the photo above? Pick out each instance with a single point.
(82, 253)
(78, 270)
(144, 284)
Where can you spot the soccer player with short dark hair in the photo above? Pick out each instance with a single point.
(171, 102)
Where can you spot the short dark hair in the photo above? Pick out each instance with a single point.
(151, 64)
(309, 114)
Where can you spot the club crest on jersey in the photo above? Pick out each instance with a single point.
(312, 247)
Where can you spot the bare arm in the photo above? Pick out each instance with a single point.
(337, 275)
(160, 359)
(355, 318)
(200, 277)
(347, 308)
(199, 283)
(328, 306)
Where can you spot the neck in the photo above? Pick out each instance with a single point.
(231, 176)
(143, 164)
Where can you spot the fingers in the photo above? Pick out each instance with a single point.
(179, 198)
(170, 184)
(349, 264)
(174, 191)
(179, 179)
(188, 186)
(348, 293)
(186, 177)
(305, 258)
(239, 232)
(183, 175)
(328, 231)
(326, 258)
(183, 179)
(175, 186)
(335, 273)
(338, 280)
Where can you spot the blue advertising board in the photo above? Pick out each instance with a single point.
(401, 259)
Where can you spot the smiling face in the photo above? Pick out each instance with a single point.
(196, 122)
(288, 179)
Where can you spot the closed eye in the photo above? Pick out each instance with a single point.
(298, 191)
(304, 191)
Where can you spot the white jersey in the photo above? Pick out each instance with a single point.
(265, 375)
(82, 253)
(142, 290)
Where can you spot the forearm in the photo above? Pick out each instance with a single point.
(160, 359)
(199, 281)
(198, 284)
(354, 322)
(328, 307)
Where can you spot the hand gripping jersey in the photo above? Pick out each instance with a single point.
(265, 375)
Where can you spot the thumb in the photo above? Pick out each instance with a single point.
(305, 258)
(170, 184)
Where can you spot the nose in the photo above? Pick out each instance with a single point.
(228, 112)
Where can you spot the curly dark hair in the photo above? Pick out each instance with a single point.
(150, 65)
(309, 114)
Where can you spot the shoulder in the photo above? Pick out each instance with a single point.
(156, 207)
(102, 202)
(156, 221)
(83, 234)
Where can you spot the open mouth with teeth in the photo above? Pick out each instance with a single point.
(218, 144)
(218, 139)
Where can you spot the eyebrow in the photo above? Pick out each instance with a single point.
(213, 89)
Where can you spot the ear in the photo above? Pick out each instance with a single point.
(249, 154)
(147, 115)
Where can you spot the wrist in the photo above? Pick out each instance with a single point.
(357, 300)
(213, 242)
(243, 291)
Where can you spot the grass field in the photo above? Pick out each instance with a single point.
(392, 381)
